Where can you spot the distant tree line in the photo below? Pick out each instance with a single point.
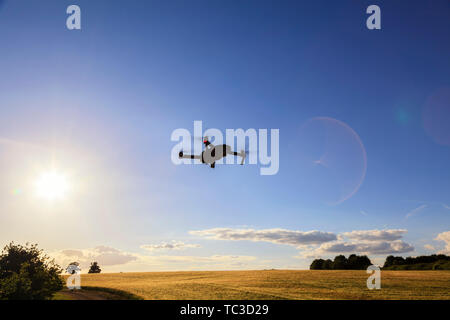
(432, 262)
(354, 262)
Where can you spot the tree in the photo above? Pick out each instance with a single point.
(340, 263)
(27, 274)
(364, 262)
(389, 261)
(398, 261)
(317, 264)
(327, 264)
(94, 268)
(352, 262)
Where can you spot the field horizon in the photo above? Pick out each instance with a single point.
(274, 285)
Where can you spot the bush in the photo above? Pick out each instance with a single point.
(27, 274)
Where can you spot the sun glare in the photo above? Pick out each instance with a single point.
(52, 185)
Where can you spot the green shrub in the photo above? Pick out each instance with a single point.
(27, 274)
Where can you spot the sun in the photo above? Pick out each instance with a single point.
(52, 185)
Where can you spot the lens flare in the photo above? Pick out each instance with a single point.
(333, 159)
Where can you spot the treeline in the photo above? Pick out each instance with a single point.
(340, 262)
(432, 262)
(355, 262)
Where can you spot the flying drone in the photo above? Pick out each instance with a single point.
(212, 153)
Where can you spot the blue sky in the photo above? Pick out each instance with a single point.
(99, 104)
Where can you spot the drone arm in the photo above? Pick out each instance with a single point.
(241, 154)
(189, 156)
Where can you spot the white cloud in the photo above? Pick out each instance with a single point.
(375, 235)
(374, 242)
(429, 247)
(278, 236)
(370, 247)
(174, 245)
(444, 236)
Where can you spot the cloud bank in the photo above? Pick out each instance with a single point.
(372, 247)
(375, 235)
(444, 236)
(315, 243)
(114, 260)
(174, 245)
(278, 236)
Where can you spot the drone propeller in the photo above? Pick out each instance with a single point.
(202, 139)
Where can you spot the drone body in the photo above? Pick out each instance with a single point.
(212, 153)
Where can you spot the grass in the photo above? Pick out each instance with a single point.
(273, 284)
(61, 296)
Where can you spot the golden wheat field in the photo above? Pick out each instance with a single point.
(275, 284)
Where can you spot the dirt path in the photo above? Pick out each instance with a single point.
(67, 294)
